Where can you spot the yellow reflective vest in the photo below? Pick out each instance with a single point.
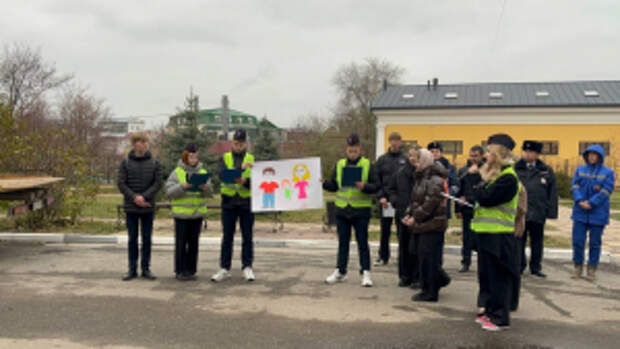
(352, 196)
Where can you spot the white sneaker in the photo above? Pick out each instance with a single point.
(366, 281)
(221, 275)
(248, 274)
(335, 277)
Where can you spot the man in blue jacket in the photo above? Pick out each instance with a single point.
(592, 186)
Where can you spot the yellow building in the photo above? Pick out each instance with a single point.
(565, 116)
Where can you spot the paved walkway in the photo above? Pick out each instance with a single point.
(71, 297)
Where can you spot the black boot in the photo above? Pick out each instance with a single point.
(130, 275)
(148, 275)
(424, 297)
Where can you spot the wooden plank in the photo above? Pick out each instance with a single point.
(14, 183)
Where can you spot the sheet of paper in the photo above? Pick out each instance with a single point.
(389, 211)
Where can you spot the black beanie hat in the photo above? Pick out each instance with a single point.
(191, 147)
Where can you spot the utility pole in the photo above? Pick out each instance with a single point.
(225, 118)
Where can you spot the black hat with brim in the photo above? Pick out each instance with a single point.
(353, 139)
(533, 146)
(502, 139)
(434, 145)
(240, 135)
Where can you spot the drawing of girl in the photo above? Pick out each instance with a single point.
(301, 175)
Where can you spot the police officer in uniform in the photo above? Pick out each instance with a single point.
(542, 202)
(236, 206)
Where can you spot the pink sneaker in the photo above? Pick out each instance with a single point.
(482, 319)
(489, 326)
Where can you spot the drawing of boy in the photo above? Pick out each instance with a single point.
(269, 187)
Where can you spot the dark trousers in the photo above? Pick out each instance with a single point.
(386, 233)
(407, 254)
(430, 247)
(344, 225)
(134, 221)
(229, 224)
(468, 241)
(516, 283)
(187, 235)
(536, 233)
(497, 282)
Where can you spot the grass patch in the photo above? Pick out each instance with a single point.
(615, 216)
(102, 207)
(554, 241)
(108, 189)
(83, 227)
(614, 201)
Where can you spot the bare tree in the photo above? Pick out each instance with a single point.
(357, 85)
(24, 77)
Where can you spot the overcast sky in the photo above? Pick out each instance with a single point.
(276, 58)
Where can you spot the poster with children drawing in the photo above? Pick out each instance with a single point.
(287, 185)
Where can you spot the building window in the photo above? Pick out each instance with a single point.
(452, 147)
(550, 148)
(584, 145)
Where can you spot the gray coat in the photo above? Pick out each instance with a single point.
(174, 188)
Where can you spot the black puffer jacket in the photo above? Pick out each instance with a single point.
(399, 189)
(139, 176)
(387, 165)
(542, 192)
(428, 207)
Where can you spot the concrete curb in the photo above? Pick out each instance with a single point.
(549, 253)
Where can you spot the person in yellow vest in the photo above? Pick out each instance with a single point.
(236, 205)
(188, 210)
(353, 206)
(497, 198)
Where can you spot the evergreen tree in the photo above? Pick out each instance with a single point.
(186, 131)
(265, 147)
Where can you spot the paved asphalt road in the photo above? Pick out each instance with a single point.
(71, 296)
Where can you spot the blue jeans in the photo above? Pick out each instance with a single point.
(269, 200)
(580, 231)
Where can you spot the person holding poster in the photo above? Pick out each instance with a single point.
(186, 187)
(235, 173)
(354, 180)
